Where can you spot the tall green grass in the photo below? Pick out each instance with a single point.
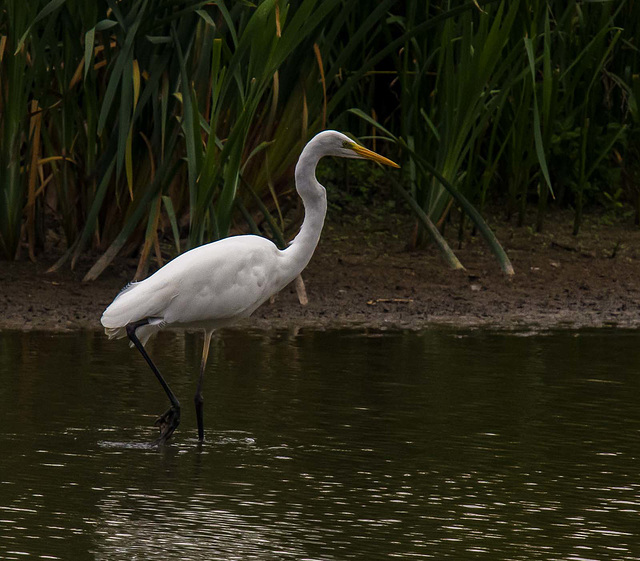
(128, 124)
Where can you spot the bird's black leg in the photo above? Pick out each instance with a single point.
(170, 420)
(198, 399)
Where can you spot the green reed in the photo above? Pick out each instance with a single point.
(180, 120)
(493, 97)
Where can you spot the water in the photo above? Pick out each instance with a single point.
(324, 446)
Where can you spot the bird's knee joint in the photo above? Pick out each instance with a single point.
(131, 328)
(198, 399)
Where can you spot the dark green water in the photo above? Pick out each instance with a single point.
(324, 446)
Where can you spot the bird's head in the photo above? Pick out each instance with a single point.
(334, 143)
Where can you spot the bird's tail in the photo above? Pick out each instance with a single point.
(115, 332)
(144, 332)
(137, 301)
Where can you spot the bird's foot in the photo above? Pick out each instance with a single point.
(167, 423)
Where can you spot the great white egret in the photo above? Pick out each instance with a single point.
(213, 285)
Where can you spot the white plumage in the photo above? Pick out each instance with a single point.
(213, 285)
(209, 287)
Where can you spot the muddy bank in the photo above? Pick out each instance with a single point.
(369, 279)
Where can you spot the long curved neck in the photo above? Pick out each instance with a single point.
(314, 199)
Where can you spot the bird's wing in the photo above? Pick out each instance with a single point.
(218, 281)
(226, 280)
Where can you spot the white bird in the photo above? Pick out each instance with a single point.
(214, 285)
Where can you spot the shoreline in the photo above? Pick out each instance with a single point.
(371, 281)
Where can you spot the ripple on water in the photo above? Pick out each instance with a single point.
(406, 446)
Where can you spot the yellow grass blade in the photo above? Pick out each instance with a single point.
(136, 82)
(316, 50)
(36, 122)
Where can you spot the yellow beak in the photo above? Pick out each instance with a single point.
(370, 155)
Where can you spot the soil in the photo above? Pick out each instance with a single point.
(363, 275)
